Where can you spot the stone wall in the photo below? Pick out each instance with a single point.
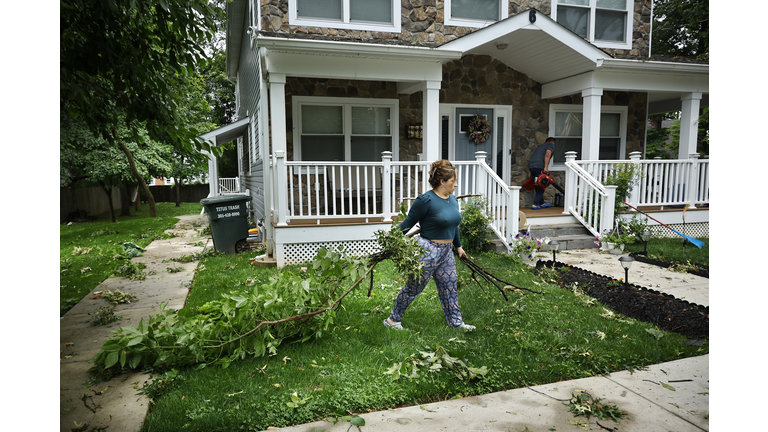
(422, 23)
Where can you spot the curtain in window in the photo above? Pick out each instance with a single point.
(379, 11)
(475, 9)
(370, 121)
(574, 19)
(610, 25)
(329, 9)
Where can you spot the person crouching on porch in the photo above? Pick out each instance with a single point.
(538, 164)
(437, 212)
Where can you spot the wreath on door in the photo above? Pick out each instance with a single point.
(478, 130)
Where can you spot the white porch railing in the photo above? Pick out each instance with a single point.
(374, 190)
(229, 185)
(663, 182)
(587, 199)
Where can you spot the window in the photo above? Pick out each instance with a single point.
(606, 23)
(379, 15)
(566, 126)
(474, 13)
(344, 129)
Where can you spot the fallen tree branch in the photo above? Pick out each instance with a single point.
(491, 278)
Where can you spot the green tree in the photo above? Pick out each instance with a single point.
(122, 60)
(90, 159)
(681, 28)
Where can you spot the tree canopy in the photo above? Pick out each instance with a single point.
(681, 28)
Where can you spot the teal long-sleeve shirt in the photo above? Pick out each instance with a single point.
(438, 218)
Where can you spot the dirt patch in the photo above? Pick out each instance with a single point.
(664, 310)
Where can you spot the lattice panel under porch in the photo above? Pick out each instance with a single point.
(299, 253)
(695, 230)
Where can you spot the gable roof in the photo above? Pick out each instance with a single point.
(534, 44)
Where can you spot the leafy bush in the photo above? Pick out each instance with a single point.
(625, 176)
(474, 230)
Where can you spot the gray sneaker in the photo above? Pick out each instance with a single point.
(466, 327)
(396, 326)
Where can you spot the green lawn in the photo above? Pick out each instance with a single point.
(673, 249)
(91, 251)
(532, 339)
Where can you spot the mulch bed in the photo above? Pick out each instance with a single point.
(701, 269)
(663, 310)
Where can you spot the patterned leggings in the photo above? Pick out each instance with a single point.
(440, 264)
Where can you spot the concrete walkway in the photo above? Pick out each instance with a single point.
(115, 404)
(671, 396)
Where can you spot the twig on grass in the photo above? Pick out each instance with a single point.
(491, 278)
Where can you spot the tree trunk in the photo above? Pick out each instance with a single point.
(150, 198)
(137, 200)
(178, 192)
(108, 191)
(125, 199)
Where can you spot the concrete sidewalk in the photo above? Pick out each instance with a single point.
(115, 404)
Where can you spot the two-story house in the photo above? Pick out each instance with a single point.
(342, 103)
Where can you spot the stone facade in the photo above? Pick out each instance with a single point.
(422, 23)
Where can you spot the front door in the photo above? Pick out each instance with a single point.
(464, 149)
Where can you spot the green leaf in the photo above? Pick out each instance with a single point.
(357, 421)
(135, 341)
(667, 386)
(111, 360)
(135, 360)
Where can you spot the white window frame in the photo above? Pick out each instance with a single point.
(463, 22)
(559, 165)
(345, 23)
(346, 104)
(627, 44)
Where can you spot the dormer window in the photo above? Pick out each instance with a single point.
(474, 13)
(605, 23)
(377, 15)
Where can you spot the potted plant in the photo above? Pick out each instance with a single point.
(525, 245)
(615, 239)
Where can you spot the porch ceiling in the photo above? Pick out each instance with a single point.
(539, 47)
(227, 133)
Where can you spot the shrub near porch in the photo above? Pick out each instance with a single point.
(532, 339)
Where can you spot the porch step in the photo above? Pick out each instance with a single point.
(569, 235)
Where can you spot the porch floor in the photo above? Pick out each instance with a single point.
(558, 211)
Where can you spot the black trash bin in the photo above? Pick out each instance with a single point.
(228, 218)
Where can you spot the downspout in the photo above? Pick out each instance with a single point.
(650, 36)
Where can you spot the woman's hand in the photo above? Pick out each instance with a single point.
(460, 252)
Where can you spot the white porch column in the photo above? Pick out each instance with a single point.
(689, 124)
(277, 110)
(634, 195)
(386, 185)
(213, 173)
(570, 183)
(431, 119)
(590, 132)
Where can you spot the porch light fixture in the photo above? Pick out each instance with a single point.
(646, 236)
(626, 263)
(501, 46)
(555, 246)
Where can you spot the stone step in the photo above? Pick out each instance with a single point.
(557, 230)
(570, 236)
